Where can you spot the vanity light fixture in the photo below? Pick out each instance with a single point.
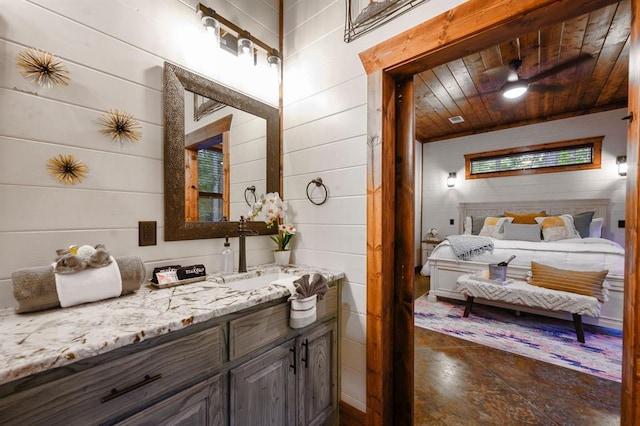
(451, 180)
(273, 59)
(245, 48)
(242, 44)
(622, 165)
(212, 26)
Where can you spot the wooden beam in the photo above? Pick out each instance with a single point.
(470, 25)
(404, 252)
(630, 408)
(193, 139)
(380, 243)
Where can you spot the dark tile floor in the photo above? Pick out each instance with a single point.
(463, 383)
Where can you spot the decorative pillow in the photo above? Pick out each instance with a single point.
(582, 221)
(494, 227)
(595, 228)
(589, 283)
(513, 231)
(477, 222)
(557, 227)
(468, 225)
(526, 218)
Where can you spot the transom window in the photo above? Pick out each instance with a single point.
(577, 154)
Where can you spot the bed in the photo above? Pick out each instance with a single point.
(590, 253)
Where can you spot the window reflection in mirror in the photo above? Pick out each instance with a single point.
(225, 151)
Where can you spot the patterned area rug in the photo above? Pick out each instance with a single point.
(546, 339)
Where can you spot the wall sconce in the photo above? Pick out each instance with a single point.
(451, 180)
(243, 44)
(622, 165)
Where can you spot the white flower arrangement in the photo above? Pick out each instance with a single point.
(432, 233)
(272, 210)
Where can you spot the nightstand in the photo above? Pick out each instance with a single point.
(427, 247)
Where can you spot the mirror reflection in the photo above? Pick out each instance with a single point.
(225, 152)
(218, 143)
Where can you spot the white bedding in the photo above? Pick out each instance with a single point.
(575, 253)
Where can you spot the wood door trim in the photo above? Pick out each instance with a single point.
(471, 26)
(630, 409)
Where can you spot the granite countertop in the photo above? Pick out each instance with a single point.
(35, 342)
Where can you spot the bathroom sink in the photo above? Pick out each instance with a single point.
(252, 283)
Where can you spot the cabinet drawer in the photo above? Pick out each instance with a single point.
(255, 330)
(328, 306)
(113, 388)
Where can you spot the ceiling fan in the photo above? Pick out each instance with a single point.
(506, 80)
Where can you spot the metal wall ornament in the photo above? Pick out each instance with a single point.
(67, 169)
(360, 21)
(42, 68)
(120, 126)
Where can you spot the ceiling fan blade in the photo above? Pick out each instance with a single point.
(547, 88)
(495, 78)
(560, 67)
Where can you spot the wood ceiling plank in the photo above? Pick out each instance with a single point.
(461, 73)
(611, 49)
(618, 77)
(572, 40)
(595, 35)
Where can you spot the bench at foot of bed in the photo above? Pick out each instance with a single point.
(520, 293)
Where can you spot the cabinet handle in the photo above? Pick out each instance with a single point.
(116, 393)
(306, 353)
(295, 357)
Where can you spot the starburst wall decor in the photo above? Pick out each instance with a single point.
(120, 126)
(66, 169)
(42, 68)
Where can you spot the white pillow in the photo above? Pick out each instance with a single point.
(556, 228)
(468, 225)
(595, 227)
(494, 227)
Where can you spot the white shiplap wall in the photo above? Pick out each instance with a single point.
(325, 97)
(115, 51)
(441, 203)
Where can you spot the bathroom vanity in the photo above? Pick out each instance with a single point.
(208, 353)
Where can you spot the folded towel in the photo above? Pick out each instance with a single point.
(89, 285)
(305, 289)
(35, 288)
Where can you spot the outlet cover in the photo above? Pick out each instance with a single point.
(147, 233)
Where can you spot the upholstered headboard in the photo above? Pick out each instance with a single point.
(552, 207)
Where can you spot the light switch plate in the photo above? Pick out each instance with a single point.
(147, 233)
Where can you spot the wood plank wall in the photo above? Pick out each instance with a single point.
(115, 53)
(325, 119)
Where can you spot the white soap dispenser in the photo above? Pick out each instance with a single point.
(226, 258)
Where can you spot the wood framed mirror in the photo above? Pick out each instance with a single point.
(183, 142)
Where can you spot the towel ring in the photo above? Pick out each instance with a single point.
(318, 182)
(252, 190)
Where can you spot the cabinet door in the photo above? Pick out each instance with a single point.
(200, 405)
(263, 390)
(318, 375)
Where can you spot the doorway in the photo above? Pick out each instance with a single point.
(472, 26)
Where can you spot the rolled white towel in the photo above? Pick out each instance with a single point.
(89, 285)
